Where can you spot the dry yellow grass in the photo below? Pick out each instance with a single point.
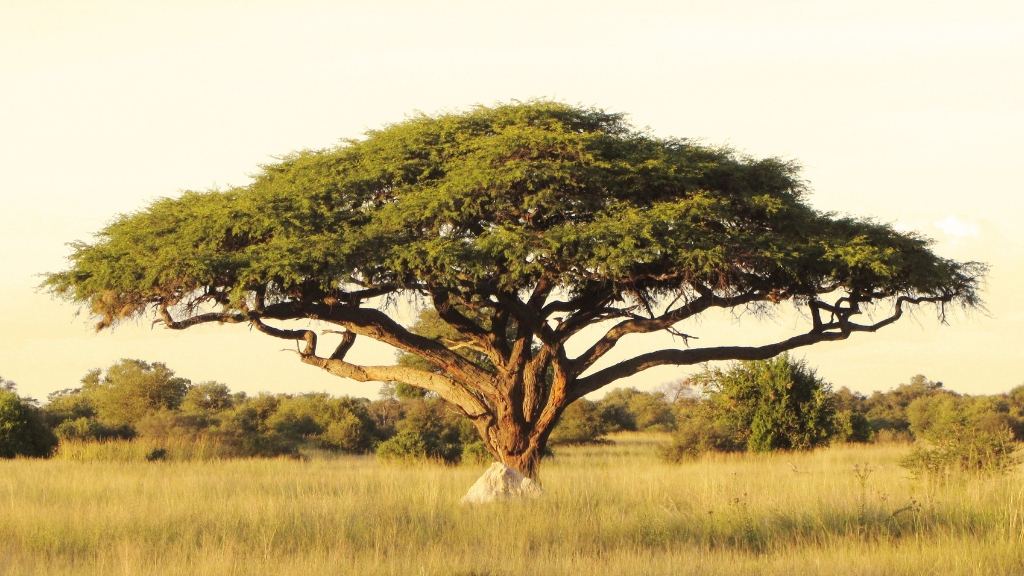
(608, 510)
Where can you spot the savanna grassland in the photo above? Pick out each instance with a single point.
(609, 509)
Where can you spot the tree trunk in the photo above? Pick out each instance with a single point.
(515, 445)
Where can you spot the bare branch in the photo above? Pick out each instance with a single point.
(219, 317)
(639, 325)
(347, 340)
(307, 335)
(821, 332)
(445, 386)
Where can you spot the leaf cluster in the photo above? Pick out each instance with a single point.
(496, 200)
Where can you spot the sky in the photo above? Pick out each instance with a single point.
(906, 112)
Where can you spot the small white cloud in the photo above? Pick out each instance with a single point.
(956, 227)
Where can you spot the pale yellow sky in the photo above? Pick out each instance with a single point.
(911, 114)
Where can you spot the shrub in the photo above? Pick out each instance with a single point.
(631, 409)
(429, 430)
(580, 423)
(777, 403)
(760, 406)
(698, 432)
(851, 426)
(476, 453)
(88, 429)
(23, 432)
(959, 433)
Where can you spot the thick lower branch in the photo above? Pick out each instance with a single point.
(602, 378)
(662, 322)
(443, 386)
(820, 333)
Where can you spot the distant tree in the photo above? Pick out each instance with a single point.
(888, 410)
(67, 405)
(207, 397)
(23, 432)
(131, 389)
(614, 410)
(631, 409)
(1015, 407)
(523, 226)
(580, 424)
(851, 422)
(958, 433)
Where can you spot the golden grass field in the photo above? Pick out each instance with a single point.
(612, 509)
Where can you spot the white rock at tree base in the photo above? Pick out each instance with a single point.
(501, 483)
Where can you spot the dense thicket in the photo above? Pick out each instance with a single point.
(22, 429)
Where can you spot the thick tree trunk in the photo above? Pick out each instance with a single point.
(515, 445)
(526, 463)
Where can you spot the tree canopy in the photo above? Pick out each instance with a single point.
(522, 225)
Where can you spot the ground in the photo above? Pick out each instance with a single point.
(609, 509)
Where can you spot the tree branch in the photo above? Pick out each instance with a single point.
(581, 363)
(307, 335)
(819, 333)
(219, 317)
(445, 386)
(483, 339)
(379, 326)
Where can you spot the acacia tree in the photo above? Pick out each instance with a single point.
(522, 225)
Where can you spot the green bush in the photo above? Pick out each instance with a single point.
(698, 432)
(782, 403)
(761, 406)
(959, 433)
(131, 389)
(581, 423)
(852, 426)
(631, 409)
(209, 397)
(430, 430)
(85, 429)
(476, 453)
(23, 431)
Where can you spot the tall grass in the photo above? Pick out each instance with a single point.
(608, 510)
(144, 450)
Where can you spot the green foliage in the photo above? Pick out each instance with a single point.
(429, 430)
(1015, 410)
(960, 433)
(581, 423)
(208, 397)
(761, 406)
(631, 409)
(698, 431)
(91, 429)
(131, 389)
(851, 423)
(852, 426)
(887, 410)
(137, 399)
(500, 197)
(23, 431)
(782, 403)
